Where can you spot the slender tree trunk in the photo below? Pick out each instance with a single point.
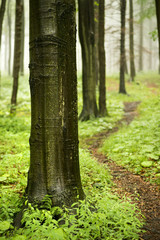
(102, 62)
(131, 41)
(122, 47)
(150, 46)
(54, 159)
(126, 66)
(141, 40)
(86, 35)
(157, 2)
(22, 42)
(9, 37)
(17, 52)
(2, 11)
(96, 21)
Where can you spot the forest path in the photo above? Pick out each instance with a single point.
(145, 194)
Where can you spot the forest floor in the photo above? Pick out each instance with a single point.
(134, 186)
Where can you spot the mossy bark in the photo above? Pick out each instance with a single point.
(131, 41)
(157, 2)
(54, 158)
(102, 62)
(17, 52)
(122, 88)
(86, 35)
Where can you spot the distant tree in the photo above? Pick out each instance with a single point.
(17, 52)
(54, 158)
(122, 88)
(157, 3)
(22, 42)
(141, 37)
(96, 22)
(131, 41)
(9, 36)
(102, 65)
(86, 35)
(2, 11)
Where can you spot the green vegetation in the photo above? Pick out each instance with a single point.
(137, 146)
(103, 215)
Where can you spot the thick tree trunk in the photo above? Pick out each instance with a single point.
(141, 40)
(9, 37)
(17, 51)
(86, 35)
(102, 62)
(122, 47)
(22, 42)
(54, 159)
(2, 11)
(157, 2)
(131, 41)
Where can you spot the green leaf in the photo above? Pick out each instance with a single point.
(146, 163)
(5, 225)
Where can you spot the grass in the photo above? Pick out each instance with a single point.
(104, 215)
(137, 147)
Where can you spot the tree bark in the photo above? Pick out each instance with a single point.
(131, 41)
(157, 2)
(54, 158)
(96, 22)
(122, 88)
(102, 62)
(17, 52)
(141, 40)
(86, 35)
(9, 37)
(22, 43)
(2, 11)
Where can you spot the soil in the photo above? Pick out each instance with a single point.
(141, 192)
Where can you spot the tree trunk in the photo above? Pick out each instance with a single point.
(122, 47)
(9, 37)
(157, 2)
(2, 11)
(141, 40)
(102, 62)
(17, 52)
(54, 158)
(131, 41)
(96, 22)
(86, 35)
(22, 42)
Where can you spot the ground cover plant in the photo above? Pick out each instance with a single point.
(102, 216)
(137, 147)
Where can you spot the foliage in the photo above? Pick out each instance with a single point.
(101, 216)
(137, 146)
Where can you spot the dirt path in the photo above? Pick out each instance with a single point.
(145, 194)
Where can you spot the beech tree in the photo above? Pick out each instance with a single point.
(86, 35)
(131, 41)
(54, 159)
(102, 65)
(141, 38)
(2, 11)
(157, 3)
(122, 47)
(17, 51)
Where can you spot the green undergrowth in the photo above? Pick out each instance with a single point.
(137, 147)
(101, 216)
